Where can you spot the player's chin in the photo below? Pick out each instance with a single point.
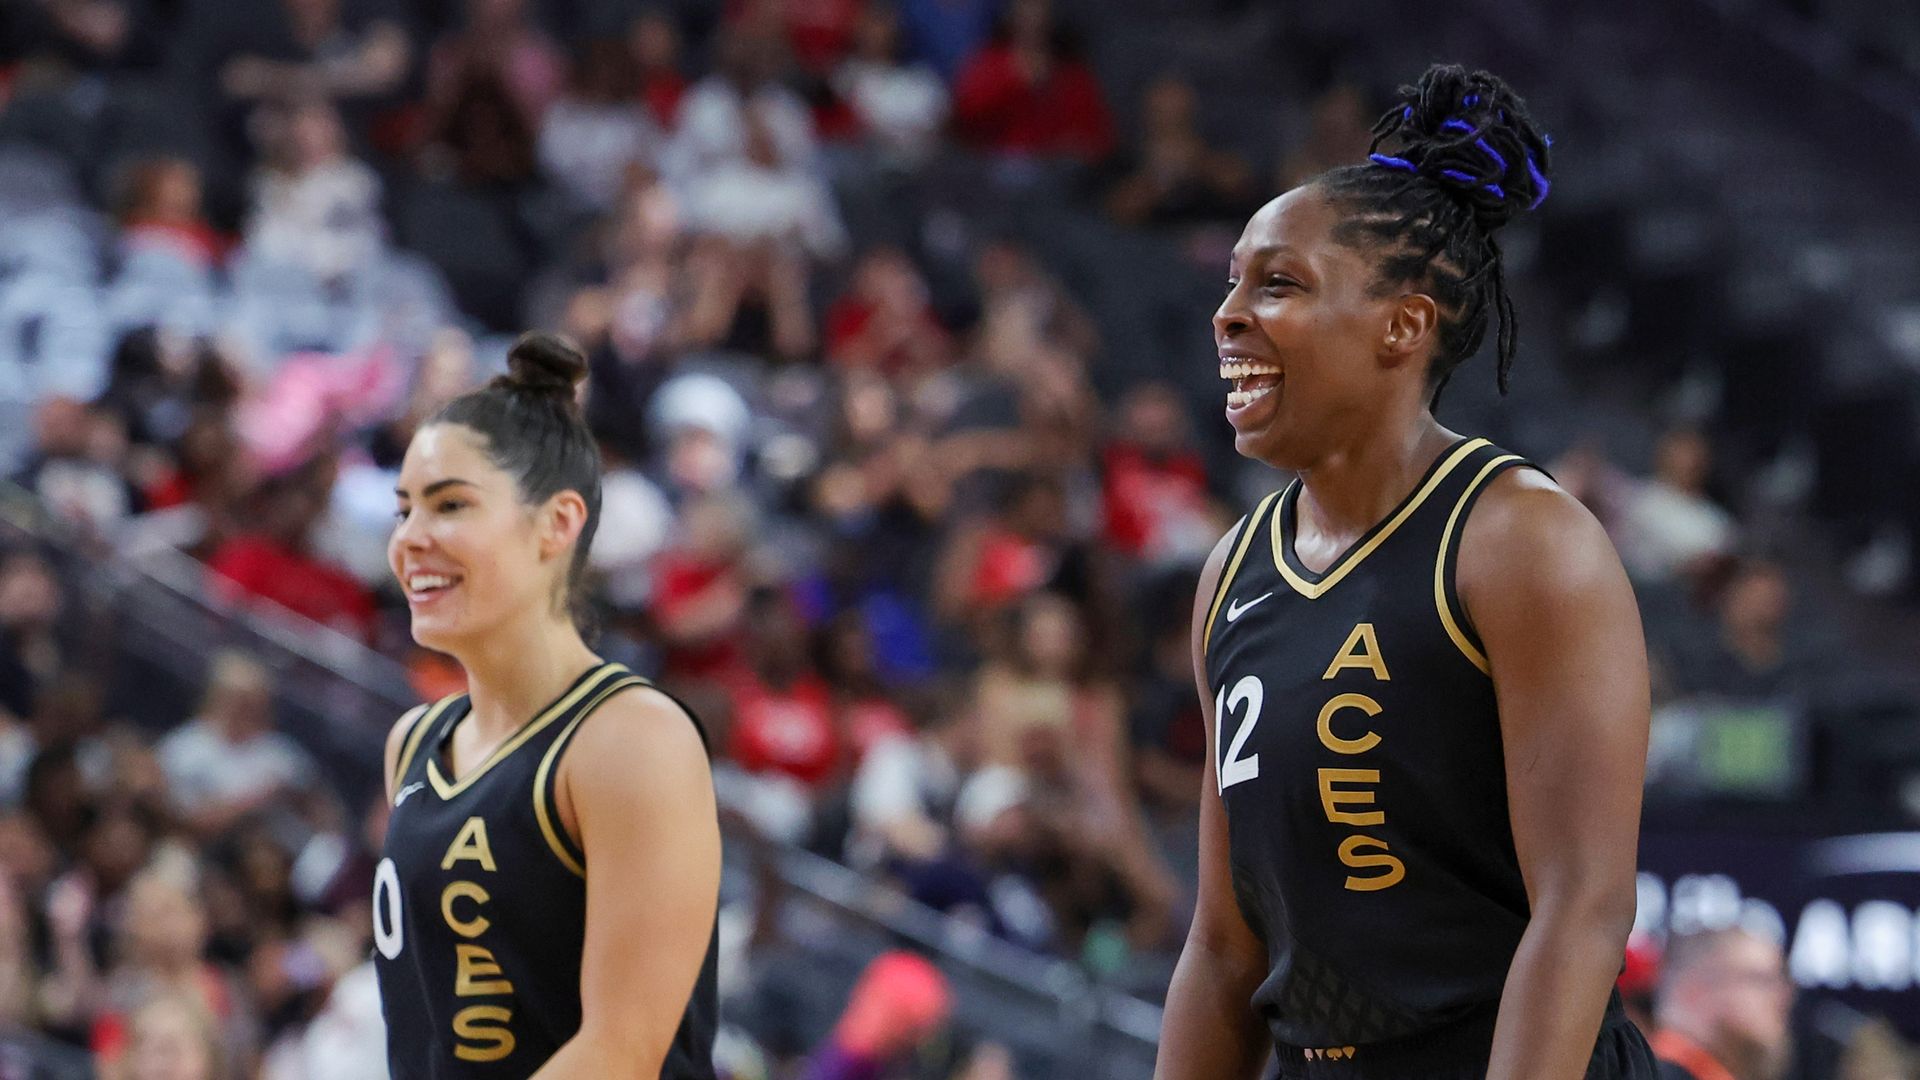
(1264, 442)
(435, 631)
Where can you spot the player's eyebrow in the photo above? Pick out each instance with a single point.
(437, 485)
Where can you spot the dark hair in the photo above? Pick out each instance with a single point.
(532, 427)
(1465, 157)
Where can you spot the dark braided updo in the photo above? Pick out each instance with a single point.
(1451, 162)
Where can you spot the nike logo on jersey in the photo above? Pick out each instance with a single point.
(408, 790)
(1237, 609)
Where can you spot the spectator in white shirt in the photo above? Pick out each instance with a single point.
(902, 106)
(316, 206)
(713, 117)
(229, 762)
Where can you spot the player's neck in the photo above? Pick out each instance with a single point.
(519, 670)
(1350, 490)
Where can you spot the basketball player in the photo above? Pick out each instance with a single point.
(1420, 662)
(545, 907)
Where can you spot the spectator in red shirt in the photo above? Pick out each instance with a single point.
(160, 209)
(784, 721)
(1028, 92)
(885, 321)
(653, 40)
(1154, 494)
(867, 711)
(700, 591)
(276, 563)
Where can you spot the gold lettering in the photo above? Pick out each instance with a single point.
(470, 844)
(474, 972)
(1348, 746)
(1330, 798)
(1350, 854)
(466, 928)
(1362, 650)
(487, 1025)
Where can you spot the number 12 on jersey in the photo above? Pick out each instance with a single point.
(1231, 767)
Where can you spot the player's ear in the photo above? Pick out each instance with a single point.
(561, 521)
(1411, 325)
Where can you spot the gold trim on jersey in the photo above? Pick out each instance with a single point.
(548, 827)
(1467, 648)
(424, 717)
(448, 789)
(1353, 557)
(1249, 530)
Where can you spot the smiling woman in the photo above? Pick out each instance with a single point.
(1427, 698)
(499, 954)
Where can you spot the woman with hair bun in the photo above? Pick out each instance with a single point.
(1420, 662)
(545, 904)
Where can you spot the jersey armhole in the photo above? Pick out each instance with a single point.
(1249, 529)
(424, 717)
(1446, 593)
(546, 799)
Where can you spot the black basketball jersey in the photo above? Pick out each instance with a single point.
(1360, 766)
(480, 905)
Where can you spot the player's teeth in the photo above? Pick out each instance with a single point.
(1240, 399)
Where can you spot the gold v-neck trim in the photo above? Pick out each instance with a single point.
(447, 789)
(1355, 555)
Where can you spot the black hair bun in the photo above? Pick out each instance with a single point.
(544, 365)
(1470, 133)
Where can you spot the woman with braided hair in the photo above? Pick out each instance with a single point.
(1420, 662)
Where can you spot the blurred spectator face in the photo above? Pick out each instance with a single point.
(495, 14)
(162, 190)
(56, 795)
(106, 438)
(493, 551)
(446, 371)
(16, 962)
(170, 1040)
(162, 928)
(239, 698)
(1732, 996)
(60, 427)
(1758, 600)
(778, 643)
(26, 857)
(1030, 22)
(313, 18)
(605, 74)
(655, 42)
(66, 711)
(1168, 105)
(749, 58)
(714, 529)
(315, 136)
(1000, 266)
(1050, 635)
(761, 148)
(869, 408)
(116, 846)
(701, 461)
(888, 279)
(1153, 419)
(1040, 510)
(876, 38)
(265, 870)
(29, 594)
(1682, 461)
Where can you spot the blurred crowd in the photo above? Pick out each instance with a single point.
(873, 503)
